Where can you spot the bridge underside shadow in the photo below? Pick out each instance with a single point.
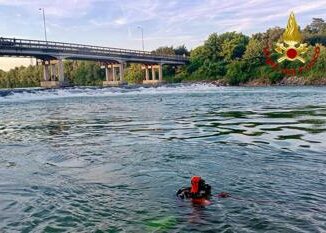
(53, 73)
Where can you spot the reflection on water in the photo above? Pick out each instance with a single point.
(111, 159)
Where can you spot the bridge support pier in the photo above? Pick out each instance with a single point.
(61, 72)
(121, 73)
(153, 74)
(154, 80)
(53, 72)
(160, 73)
(46, 73)
(50, 75)
(146, 73)
(114, 74)
(108, 73)
(114, 68)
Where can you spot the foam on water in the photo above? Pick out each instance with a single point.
(39, 94)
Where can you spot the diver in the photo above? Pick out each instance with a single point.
(198, 190)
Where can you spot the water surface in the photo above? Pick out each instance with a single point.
(110, 160)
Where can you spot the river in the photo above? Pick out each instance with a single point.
(111, 159)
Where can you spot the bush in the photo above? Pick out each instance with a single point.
(134, 74)
(237, 73)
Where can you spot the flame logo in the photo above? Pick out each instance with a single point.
(291, 37)
(292, 33)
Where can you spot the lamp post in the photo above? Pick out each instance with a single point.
(46, 38)
(142, 37)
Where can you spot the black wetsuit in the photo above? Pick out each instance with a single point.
(204, 192)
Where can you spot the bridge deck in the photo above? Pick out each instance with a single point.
(50, 49)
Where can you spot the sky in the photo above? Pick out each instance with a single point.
(114, 23)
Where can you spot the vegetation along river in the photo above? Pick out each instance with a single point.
(111, 160)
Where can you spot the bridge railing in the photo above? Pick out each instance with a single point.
(52, 46)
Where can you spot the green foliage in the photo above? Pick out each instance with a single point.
(270, 37)
(227, 46)
(315, 39)
(315, 32)
(182, 75)
(233, 45)
(317, 26)
(212, 48)
(214, 69)
(21, 77)
(84, 73)
(78, 73)
(254, 51)
(197, 59)
(319, 68)
(164, 51)
(237, 73)
(181, 50)
(134, 74)
(169, 71)
(237, 59)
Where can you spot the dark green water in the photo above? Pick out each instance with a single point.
(110, 160)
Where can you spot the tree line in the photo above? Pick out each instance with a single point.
(230, 58)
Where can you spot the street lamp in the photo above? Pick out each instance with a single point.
(46, 38)
(142, 36)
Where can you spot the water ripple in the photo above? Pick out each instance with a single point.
(110, 160)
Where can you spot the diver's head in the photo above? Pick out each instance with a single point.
(196, 184)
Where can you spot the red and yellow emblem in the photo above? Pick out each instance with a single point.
(291, 48)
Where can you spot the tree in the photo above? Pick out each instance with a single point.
(317, 26)
(233, 45)
(213, 48)
(86, 73)
(270, 37)
(164, 51)
(314, 39)
(181, 50)
(197, 58)
(134, 74)
(315, 33)
(236, 73)
(254, 49)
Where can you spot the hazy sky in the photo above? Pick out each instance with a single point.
(166, 22)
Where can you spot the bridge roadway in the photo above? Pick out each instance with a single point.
(51, 55)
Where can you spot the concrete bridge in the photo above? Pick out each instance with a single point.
(51, 55)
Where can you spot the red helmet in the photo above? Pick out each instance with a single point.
(195, 180)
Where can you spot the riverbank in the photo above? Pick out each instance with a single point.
(290, 81)
(265, 82)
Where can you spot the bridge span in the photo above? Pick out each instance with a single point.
(51, 55)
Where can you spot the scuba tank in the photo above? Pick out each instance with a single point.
(198, 189)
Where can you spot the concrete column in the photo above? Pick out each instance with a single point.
(160, 73)
(61, 71)
(111, 72)
(53, 72)
(146, 73)
(46, 73)
(121, 72)
(114, 73)
(153, 73)
(107, 73)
